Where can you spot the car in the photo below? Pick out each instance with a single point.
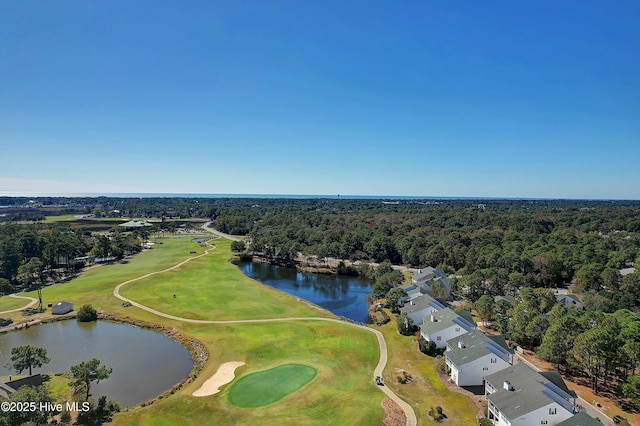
(617, 419)
(379, 381)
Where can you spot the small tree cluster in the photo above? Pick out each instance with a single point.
(87, 314)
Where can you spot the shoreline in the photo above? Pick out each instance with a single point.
(196, 349)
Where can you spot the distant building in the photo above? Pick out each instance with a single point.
(413, 292)
(428, 277)
(521, 396)
(570, 301)
(134, 224)
(474, 355)
(61, 308)
(509, 299)
(627, 271)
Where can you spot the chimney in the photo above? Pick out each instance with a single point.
(460, 344)
(433, 318)
(411, 302)
(507, 386)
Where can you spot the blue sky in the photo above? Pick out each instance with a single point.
(425, 98)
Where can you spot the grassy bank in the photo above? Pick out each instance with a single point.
(426, 390)
(212, 288)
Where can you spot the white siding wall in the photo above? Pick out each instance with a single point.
(417, 316)
(472, 374)
(446, 334)
(535, 417)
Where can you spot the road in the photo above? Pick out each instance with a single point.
(218, 233)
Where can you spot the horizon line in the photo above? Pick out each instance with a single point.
(289, 196)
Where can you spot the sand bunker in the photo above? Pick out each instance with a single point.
(224, 375)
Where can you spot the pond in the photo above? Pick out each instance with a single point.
(339, 294)
(145, 363)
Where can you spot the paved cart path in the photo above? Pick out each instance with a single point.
(408, 410)
(30, 304)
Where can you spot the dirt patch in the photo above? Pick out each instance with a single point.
(394, 414)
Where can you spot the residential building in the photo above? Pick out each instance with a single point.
(521, 396)
(627, 271)
(429, 277)
(442, 325)
(7, 387)
(580, 419)
(570, 301)
(509, 299)
(420, 307)
(61, 308)
(473, 355)
(413, 292)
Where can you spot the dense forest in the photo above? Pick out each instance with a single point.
(518, 248)
(495, 246)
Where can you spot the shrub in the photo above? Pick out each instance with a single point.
(87, 314)
(5, 322)
(485, 422)
(436, 414)
(404, 378)
(429, 348)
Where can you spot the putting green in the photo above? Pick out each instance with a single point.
(266, 387)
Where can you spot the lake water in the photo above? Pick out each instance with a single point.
(342, 295)
(145, 363)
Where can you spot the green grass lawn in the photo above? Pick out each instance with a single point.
(266, 387)
(9, 303)
(61, 218)
(426, 390)
(341, 393)
(95, 285)
(212, 288)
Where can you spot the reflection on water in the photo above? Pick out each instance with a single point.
(145, 363)
(342, 295)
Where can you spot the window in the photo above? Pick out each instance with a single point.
(438, 338)
(485, 368)
(457, 328)
(552, 411)
(543, 422)
(494, 360)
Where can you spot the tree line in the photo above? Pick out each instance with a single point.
(605, 348)
(33, 254)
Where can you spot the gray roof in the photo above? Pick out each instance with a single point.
(531, 391)
(509, 299)
(627, 271)
(476, 345)
(580, 419)
(419, 303)
(135, 224)
(61, 308)
(427, 272)
(571, 297)
(444, 319)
